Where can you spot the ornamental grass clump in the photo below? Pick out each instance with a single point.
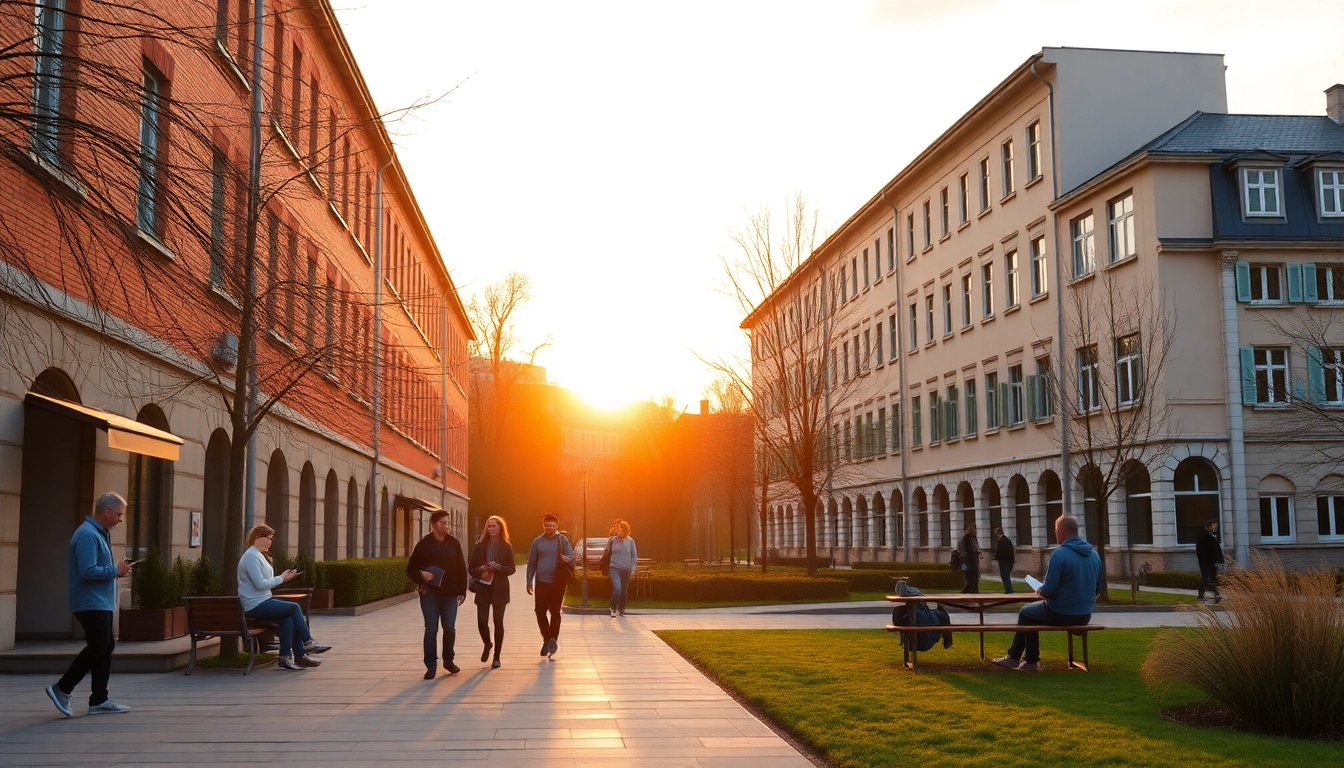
(1274, 659)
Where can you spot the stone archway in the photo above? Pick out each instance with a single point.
(331, 516)
(352, 519)
(277, 501)
(308, 510)
(149, 498)
(215, 497)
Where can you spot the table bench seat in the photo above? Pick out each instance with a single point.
(911, 651)
(221, 617)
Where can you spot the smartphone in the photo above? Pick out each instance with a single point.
(296, 570)
(136, 562)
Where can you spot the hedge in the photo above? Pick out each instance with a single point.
(799, 562)
(365, 580)
(900, 566)
(884, 581)
(718, 586)
(1174, 579)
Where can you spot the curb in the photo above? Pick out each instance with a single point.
(360, 610)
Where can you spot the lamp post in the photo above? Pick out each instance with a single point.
(585, 470)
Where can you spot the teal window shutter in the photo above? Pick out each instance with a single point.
(1032, 383)
(1295, 283)
(1244, 282)
(1309, 294)
(1247, 376)
(1315, 375)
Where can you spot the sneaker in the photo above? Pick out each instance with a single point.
(287, 662)
(555, 647)
(485, 655)
(312, 646)
(304, 661)
(613, 613)
(452, 668)
(108, 707)
(620, 613)
(429, 674)
(545, 646)
(1030, 666)
(61, 700)
(1007, 662)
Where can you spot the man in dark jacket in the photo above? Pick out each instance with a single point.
(1006, 557)
(440, 570)
(1209, 552)
(970, 560)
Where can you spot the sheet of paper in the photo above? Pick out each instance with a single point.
(1034, 582)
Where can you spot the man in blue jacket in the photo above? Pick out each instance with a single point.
(93, 598)
(1072, 583)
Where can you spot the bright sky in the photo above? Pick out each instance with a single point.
(607, 150)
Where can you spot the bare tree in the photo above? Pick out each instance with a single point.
(1112, 400)
(722, 461)
(795, 323)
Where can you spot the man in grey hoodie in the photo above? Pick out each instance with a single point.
(1072, 583)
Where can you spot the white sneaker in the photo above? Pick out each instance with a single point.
(109, 707)
(59, 698)
(613, 613)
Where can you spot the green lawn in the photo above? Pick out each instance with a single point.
(845, 695)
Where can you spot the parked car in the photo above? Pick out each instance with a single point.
(593, 549)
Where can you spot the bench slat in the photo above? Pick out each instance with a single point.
(995, 628)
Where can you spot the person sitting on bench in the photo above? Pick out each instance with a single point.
(1072, 583)
(256, 578)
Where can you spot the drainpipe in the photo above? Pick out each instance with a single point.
(372, 534)
(254, 214)
(901, 395)
(830, 465)
(1236, 434)
(443, 410)
(1064, 455)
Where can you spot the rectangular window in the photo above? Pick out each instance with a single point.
(896, 427)
(844, 357)
(1084, 249)
(151, 134)
(1128, 370)
(848, 450)
(1260, 189)
(217, 176)
(916, 429)
(880, 439)
(971, 413)
(869, 436)
(1276, 518)
(866, 282)
(844, 284)
(1271, 375)
(891, 248)
(877, 344)
(854, 277)
(928, 225)
(935, 419)
(859, 366)
(944, 208)
(1016, 396)
(964, 197)
(867, 348)
(892, 338)
(914, 326)
(909, 236)
(1006, 153)
(1012, 291)
(1120, 214)
(1042, 404)
(928, 317)
(877, 260)
(952, 409)
(992, 417)
(1089, 385)
(984, 183)
(1266, 283)
(1034, 150)
(49, 32)
(1040, 281)
(1329, 282)
(1332, 192)
(1330, 516)
(966, 300)
(987, 290)
(947, 310)
(1332, 373)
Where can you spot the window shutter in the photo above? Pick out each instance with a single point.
(1003, 404)
(1247, 376)
(1299, 391)
(1032, 411)
(1138, 377)
(1315, 375)
(1244, 282)
(1309, 284)
(1295, 283)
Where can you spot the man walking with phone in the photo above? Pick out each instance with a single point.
(93, 578)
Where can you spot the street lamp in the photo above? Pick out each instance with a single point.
(585, 470)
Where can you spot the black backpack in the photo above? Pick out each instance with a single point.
(923, 616)
(956, 562)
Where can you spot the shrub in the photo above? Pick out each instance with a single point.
(1275, 659)
(365, 580)
(205, 578)
(156, 586)
(903, 567)
(308, 568)
(799, 562)
(281, 562)
(721, 586)
(884, 581)
(1174, 579)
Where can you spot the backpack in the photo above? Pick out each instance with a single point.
(922, 616)
(956, 561)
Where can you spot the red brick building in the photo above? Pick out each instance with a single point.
(135, 268)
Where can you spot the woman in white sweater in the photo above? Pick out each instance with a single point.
(624, 558)
(256, 579)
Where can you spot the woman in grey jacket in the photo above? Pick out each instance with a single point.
(624, 558)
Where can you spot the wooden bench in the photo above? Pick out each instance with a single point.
(220, 617)
(692, 562)
(301, 595)
(910, 651)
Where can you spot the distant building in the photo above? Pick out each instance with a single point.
(972, 290)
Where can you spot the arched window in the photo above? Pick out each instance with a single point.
(989, 491)
(1196, 491)
(922, 516)
(1054, 503)
(149, 497)
(1020, 493)
(1138, 505)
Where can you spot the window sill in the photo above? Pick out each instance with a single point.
(282, 341)
(1017, 427)
(948, 335)
(984, 212)
(331, 378)
(927, 248)
(945, 237)
(1034, 181)
(1270, 407)
(967, 328)
(986, 319)
(1270, 305)
(970, 436)
(284, 139)
(223, 294)
(231, 67)
(1008, 197)
(930, 344)
(964, 225)
(914, 351)
(992, 431)
(55, 172)
(341, 219)
(154, 244)
(1083, 278)
(1039, 297)
(1012, 309)
(1128, 259)
(1044, 421)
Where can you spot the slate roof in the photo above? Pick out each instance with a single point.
(1288, 134)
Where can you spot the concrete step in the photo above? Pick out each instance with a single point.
(52, 657)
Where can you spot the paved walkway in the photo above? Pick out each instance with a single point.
(615, 695)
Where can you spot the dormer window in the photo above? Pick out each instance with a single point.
(1332, 193)
(1260, 187)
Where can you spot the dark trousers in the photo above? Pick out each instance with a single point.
(483, 612)
(1208, 579)
(96, 656)
(1006, 573)
(971, 574)
(439, 610)
(293, 630)
(550, 598)
(1039, 613)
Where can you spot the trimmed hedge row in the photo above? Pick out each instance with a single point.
(904, 567)
(1174, 579)
(884, 581)
(365, 580)
(798, 562)
(718, 586)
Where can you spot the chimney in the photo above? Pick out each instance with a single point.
(1334, 102)
(704, 407)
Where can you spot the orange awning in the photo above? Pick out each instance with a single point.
(123, 434)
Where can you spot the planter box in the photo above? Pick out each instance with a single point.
(153, 623)
(324, 599)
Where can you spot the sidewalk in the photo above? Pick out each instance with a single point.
(614, 695)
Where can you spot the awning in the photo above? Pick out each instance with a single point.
(123, 434)
(411, 501)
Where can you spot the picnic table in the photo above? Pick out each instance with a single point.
(969, 602)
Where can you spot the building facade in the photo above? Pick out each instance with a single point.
(148, 248)
(1097, 294)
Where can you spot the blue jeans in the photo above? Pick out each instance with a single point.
(1006, 573)
(620, 588)
(439, 610)
(293, 630)
(1039, 613)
